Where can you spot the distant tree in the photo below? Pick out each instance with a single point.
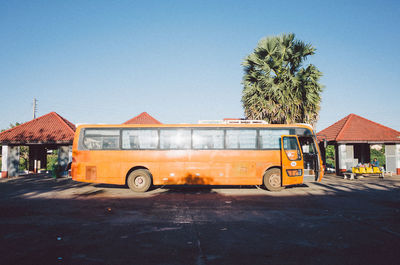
(276, 86)
(11, 126)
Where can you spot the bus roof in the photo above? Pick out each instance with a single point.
(297, 125)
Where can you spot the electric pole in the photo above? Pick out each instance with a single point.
(34, 108)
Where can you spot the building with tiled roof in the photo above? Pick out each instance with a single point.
(352, 137)
(48, 132)
(49, 128)
(143, 118)
(356, 129)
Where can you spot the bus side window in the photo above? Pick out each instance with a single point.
(241, 139)
(271, 138)
(208, 139)
(101, 139)
(139, 139)
(175, 139)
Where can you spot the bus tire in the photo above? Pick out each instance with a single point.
(273, 180)
(139, 180)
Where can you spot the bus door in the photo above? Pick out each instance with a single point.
(310, 157)
(292, 160)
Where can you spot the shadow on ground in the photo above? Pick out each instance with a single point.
(46, 221)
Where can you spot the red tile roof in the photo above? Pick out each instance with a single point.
(354, 128)
(142, 118)
(49, 128)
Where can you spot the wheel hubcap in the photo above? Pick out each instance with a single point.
(275, 180)
(139, 181)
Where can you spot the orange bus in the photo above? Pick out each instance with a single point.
(204, 154)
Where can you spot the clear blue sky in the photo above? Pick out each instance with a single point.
(107, 61)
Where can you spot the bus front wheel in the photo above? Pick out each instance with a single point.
(139, 180)
(273, 180)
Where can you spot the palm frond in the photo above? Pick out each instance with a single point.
(277, 88)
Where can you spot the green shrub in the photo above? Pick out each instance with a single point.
(51, 161)
(330, 156)
(23, 164)
(57, 170)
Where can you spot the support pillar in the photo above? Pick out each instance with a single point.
(70, 154)
(63, 156)
(392, 155)
(345, 155)
(10, 161)
(342, 157)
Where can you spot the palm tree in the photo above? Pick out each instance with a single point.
(276, 86)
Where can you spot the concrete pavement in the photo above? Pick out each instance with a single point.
(43, 221)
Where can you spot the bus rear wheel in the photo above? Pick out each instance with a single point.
(139, 180)
(273, 180)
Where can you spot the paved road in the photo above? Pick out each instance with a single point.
(43, 221)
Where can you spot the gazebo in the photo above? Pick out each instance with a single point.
(352, 137)
(50, 131)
